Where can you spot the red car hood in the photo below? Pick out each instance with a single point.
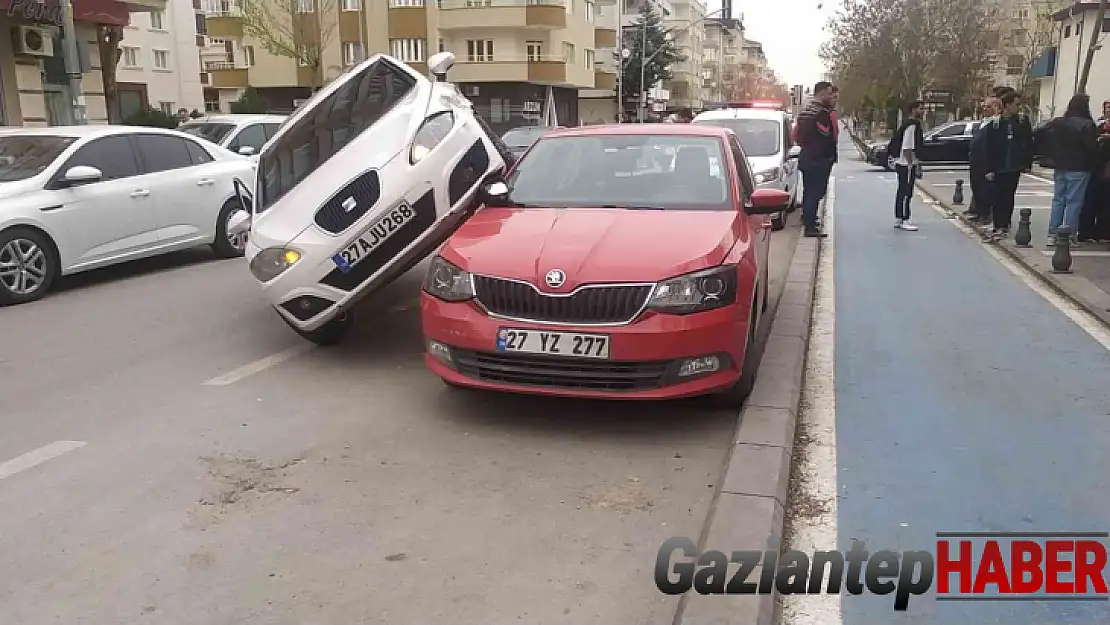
(592, 245)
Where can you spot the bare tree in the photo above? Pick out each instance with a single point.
(1028, 34)
(108, 39)
(295, 29)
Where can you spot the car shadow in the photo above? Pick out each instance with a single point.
(136, 269)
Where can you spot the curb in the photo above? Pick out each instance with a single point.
(748, 510)
(1076, 289)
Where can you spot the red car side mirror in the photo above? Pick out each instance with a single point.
(767, 202)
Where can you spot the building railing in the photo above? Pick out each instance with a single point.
(488, 4)
(516, 58)
(215, 66)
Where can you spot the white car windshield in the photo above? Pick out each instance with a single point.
(336, 119)
(760, 137)
(26, 156)
(212, 131)
(663, 172)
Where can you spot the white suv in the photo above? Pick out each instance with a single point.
(365, 180)
(243, 134)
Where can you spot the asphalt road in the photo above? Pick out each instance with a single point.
(171, 453)
(954, 395)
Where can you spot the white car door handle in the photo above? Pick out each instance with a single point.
(140, 193)
(204, 182)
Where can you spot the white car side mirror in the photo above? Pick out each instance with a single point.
(81, 174)
(497, 189)
(440, 64)
(246, 150)
(795, 152)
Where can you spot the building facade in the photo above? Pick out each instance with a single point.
(1060, 65)
(159, 54)
(687, 22)
(724, 38)
(34, 84)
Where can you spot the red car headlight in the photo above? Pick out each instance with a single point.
(447, 282)
(696, 292)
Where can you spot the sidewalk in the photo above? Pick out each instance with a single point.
(1088, 285)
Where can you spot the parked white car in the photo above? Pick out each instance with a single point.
(765, 134)
(74, 198)
(242, 134)
(368, 178)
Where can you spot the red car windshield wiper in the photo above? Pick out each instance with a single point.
(635, 207)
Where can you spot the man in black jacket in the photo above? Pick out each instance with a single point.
(982, 190)
(1071, 149)
(817, 138)
(1008, 147)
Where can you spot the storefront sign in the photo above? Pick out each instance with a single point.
(51, 11)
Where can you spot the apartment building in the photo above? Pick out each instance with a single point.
(599, 105)
(512, 55)
(687, 22)
(158, 64)
(724, 39)
(34, 86)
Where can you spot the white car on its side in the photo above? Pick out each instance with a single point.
(765, 134)
(74, 198)
(366, 179)
(242, 134)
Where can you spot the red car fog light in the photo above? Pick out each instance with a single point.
(699, 366)
(441, 352)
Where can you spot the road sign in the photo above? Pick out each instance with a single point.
(936, 96)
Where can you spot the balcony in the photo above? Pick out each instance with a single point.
(605, 37)
(540, 70)
(145, 6)
(226, 76)
(224, 26)
(537, 14)
(605, 80)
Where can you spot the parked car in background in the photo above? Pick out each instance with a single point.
(766, 136)
(74, 198)
(522, 138)
(242, 134)
(593, 272)
(948, 144)
(363, 182)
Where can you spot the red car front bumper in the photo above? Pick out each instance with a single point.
(645, 357)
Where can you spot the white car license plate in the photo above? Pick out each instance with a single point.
(553, 343)
(370, 240)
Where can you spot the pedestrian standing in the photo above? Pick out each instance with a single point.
(982, 190)
(1070, 149)
(1094, 217)
(835, 121)
(904, 144)
(818, 143)
(1105, 114)
(1009, 152)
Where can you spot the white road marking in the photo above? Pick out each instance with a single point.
(37, 457)
(818, 418)
(257, 366)
(1085, 320)
(1039, 179)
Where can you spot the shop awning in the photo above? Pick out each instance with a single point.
(110, 12)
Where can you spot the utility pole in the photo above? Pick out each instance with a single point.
(73, 65)
(620, 61)
(1092, 46)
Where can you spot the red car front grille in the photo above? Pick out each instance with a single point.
(560, 372)
(599, 304)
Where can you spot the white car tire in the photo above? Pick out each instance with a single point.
(223, 245)
(28, 265)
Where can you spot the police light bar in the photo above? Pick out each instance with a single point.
(757, 104)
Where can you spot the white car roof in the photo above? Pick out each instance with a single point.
(80, 132)
(238, 119)
(746, 113)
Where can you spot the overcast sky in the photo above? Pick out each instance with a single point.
(791, 31)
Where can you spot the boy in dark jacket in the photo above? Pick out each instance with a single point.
(982, 190)
(1071, 149)
(1008, 148)
(817, 138)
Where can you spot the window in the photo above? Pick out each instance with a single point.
(408, 50)
(248, 56)
(351, 5)
(589, 10)
(401, 4)
(161, 59)
(352, 53)
(478, 3)
(201, 22)
(479, 50)
(252, 136)
(130, 56)
(442, 45)
(211, 106)
(955, 130)
(1067, 31)
(568, 52)
(209, 131)
(157, 20)
(163, 153)
(1015, 64)
(166, 107)
(113, 156)
(199, 155)
(589, 59)
(742, 170)
(306, 6)
(26, 156)
(760, 137)
(308, 53)
(535, 50)
(500, 110)
(271, 130)
(358, 103)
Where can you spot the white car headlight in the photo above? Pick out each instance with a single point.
(272, 262)
(768, 175)
(431, 132)
(447, 282)
(696, 292)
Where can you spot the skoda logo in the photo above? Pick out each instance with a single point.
(555, 278)
(349, 204)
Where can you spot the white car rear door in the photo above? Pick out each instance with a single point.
(186, 194)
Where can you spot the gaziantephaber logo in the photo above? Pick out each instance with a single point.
(967, 566)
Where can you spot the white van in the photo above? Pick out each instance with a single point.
(765, 134)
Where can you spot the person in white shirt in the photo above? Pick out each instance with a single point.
(905, 144)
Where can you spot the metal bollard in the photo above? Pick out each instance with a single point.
(1024, 235)
(958, 196)
(1061, 258)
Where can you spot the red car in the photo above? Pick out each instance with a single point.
(623, 261)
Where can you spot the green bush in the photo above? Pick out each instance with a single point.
(250, 103)
(152, 118)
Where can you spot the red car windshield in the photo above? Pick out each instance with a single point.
(663, 172)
